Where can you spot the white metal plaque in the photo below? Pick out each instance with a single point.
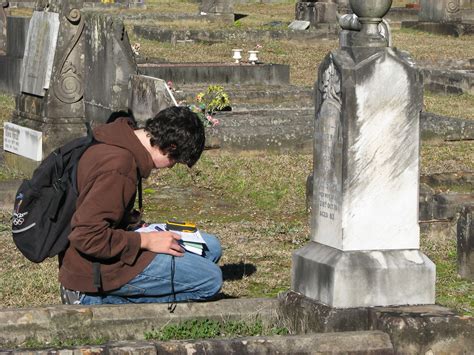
(23, 141)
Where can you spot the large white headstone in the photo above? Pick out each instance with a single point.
(364, 248)
(366, 169)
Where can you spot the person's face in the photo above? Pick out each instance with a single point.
(161, 160)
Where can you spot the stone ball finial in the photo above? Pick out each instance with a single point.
(370, 8)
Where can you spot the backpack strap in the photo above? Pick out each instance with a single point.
(97, 276)
(140, 191)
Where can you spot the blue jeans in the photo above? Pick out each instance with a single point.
(195, 278)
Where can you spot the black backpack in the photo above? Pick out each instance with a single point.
(44, 205)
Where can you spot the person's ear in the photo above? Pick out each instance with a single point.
(171, 148)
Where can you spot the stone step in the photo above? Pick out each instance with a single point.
(154, 33)
(117, 322)
(291, 129)
(318, 328)
(283, 129)
(245, 73)
(362, 342)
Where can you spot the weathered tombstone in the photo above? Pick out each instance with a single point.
(148, 96)
(109, 56)
(3, 27)
(440, 10)
(465, 236)
(39, 54)
(316, 12)
(11, 62)
(222, 10)
(364, 248)
(51, 97)
(89, 76)
(343, 6)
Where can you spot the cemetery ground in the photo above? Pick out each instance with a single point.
(255, 201)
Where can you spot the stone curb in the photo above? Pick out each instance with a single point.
(116, 322)
(367, 342)
(291, 129)
(325, 31)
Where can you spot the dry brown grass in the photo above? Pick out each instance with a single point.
(255, 202)
(460, 106)
(442, 157)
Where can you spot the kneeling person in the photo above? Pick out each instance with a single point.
(107, 261)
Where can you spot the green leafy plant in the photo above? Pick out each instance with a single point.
(208, 102)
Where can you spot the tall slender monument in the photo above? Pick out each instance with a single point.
(364, 248)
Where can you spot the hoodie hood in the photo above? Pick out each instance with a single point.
(120, 133)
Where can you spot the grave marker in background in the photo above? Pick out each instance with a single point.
(440, 10)
(316, 12)
(77, 67)
(148, 96)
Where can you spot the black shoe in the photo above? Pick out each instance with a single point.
(69, 296)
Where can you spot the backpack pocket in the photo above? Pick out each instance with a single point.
(32, 225)
(25, 200)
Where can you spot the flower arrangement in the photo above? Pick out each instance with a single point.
(208, 102)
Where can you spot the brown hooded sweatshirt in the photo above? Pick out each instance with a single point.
(107, 183)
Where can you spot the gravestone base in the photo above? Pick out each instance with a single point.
(348, 279)
(455, 29)
(426, 329)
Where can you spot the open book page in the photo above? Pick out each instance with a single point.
(192, 242)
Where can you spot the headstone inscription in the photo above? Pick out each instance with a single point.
(365, 234)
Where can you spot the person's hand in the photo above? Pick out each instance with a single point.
(162, 242)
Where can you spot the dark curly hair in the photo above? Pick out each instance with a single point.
(178, 132)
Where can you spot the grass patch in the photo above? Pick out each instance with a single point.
(209, 329)
(442, 157)
(461, 106)
(7, 104)
(451, 290)
(258, 237)
(263, 181)
(62, 343)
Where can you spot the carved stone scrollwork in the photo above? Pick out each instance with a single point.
(74, 16)
(453, 6)
(330, 85)
(69, 87)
